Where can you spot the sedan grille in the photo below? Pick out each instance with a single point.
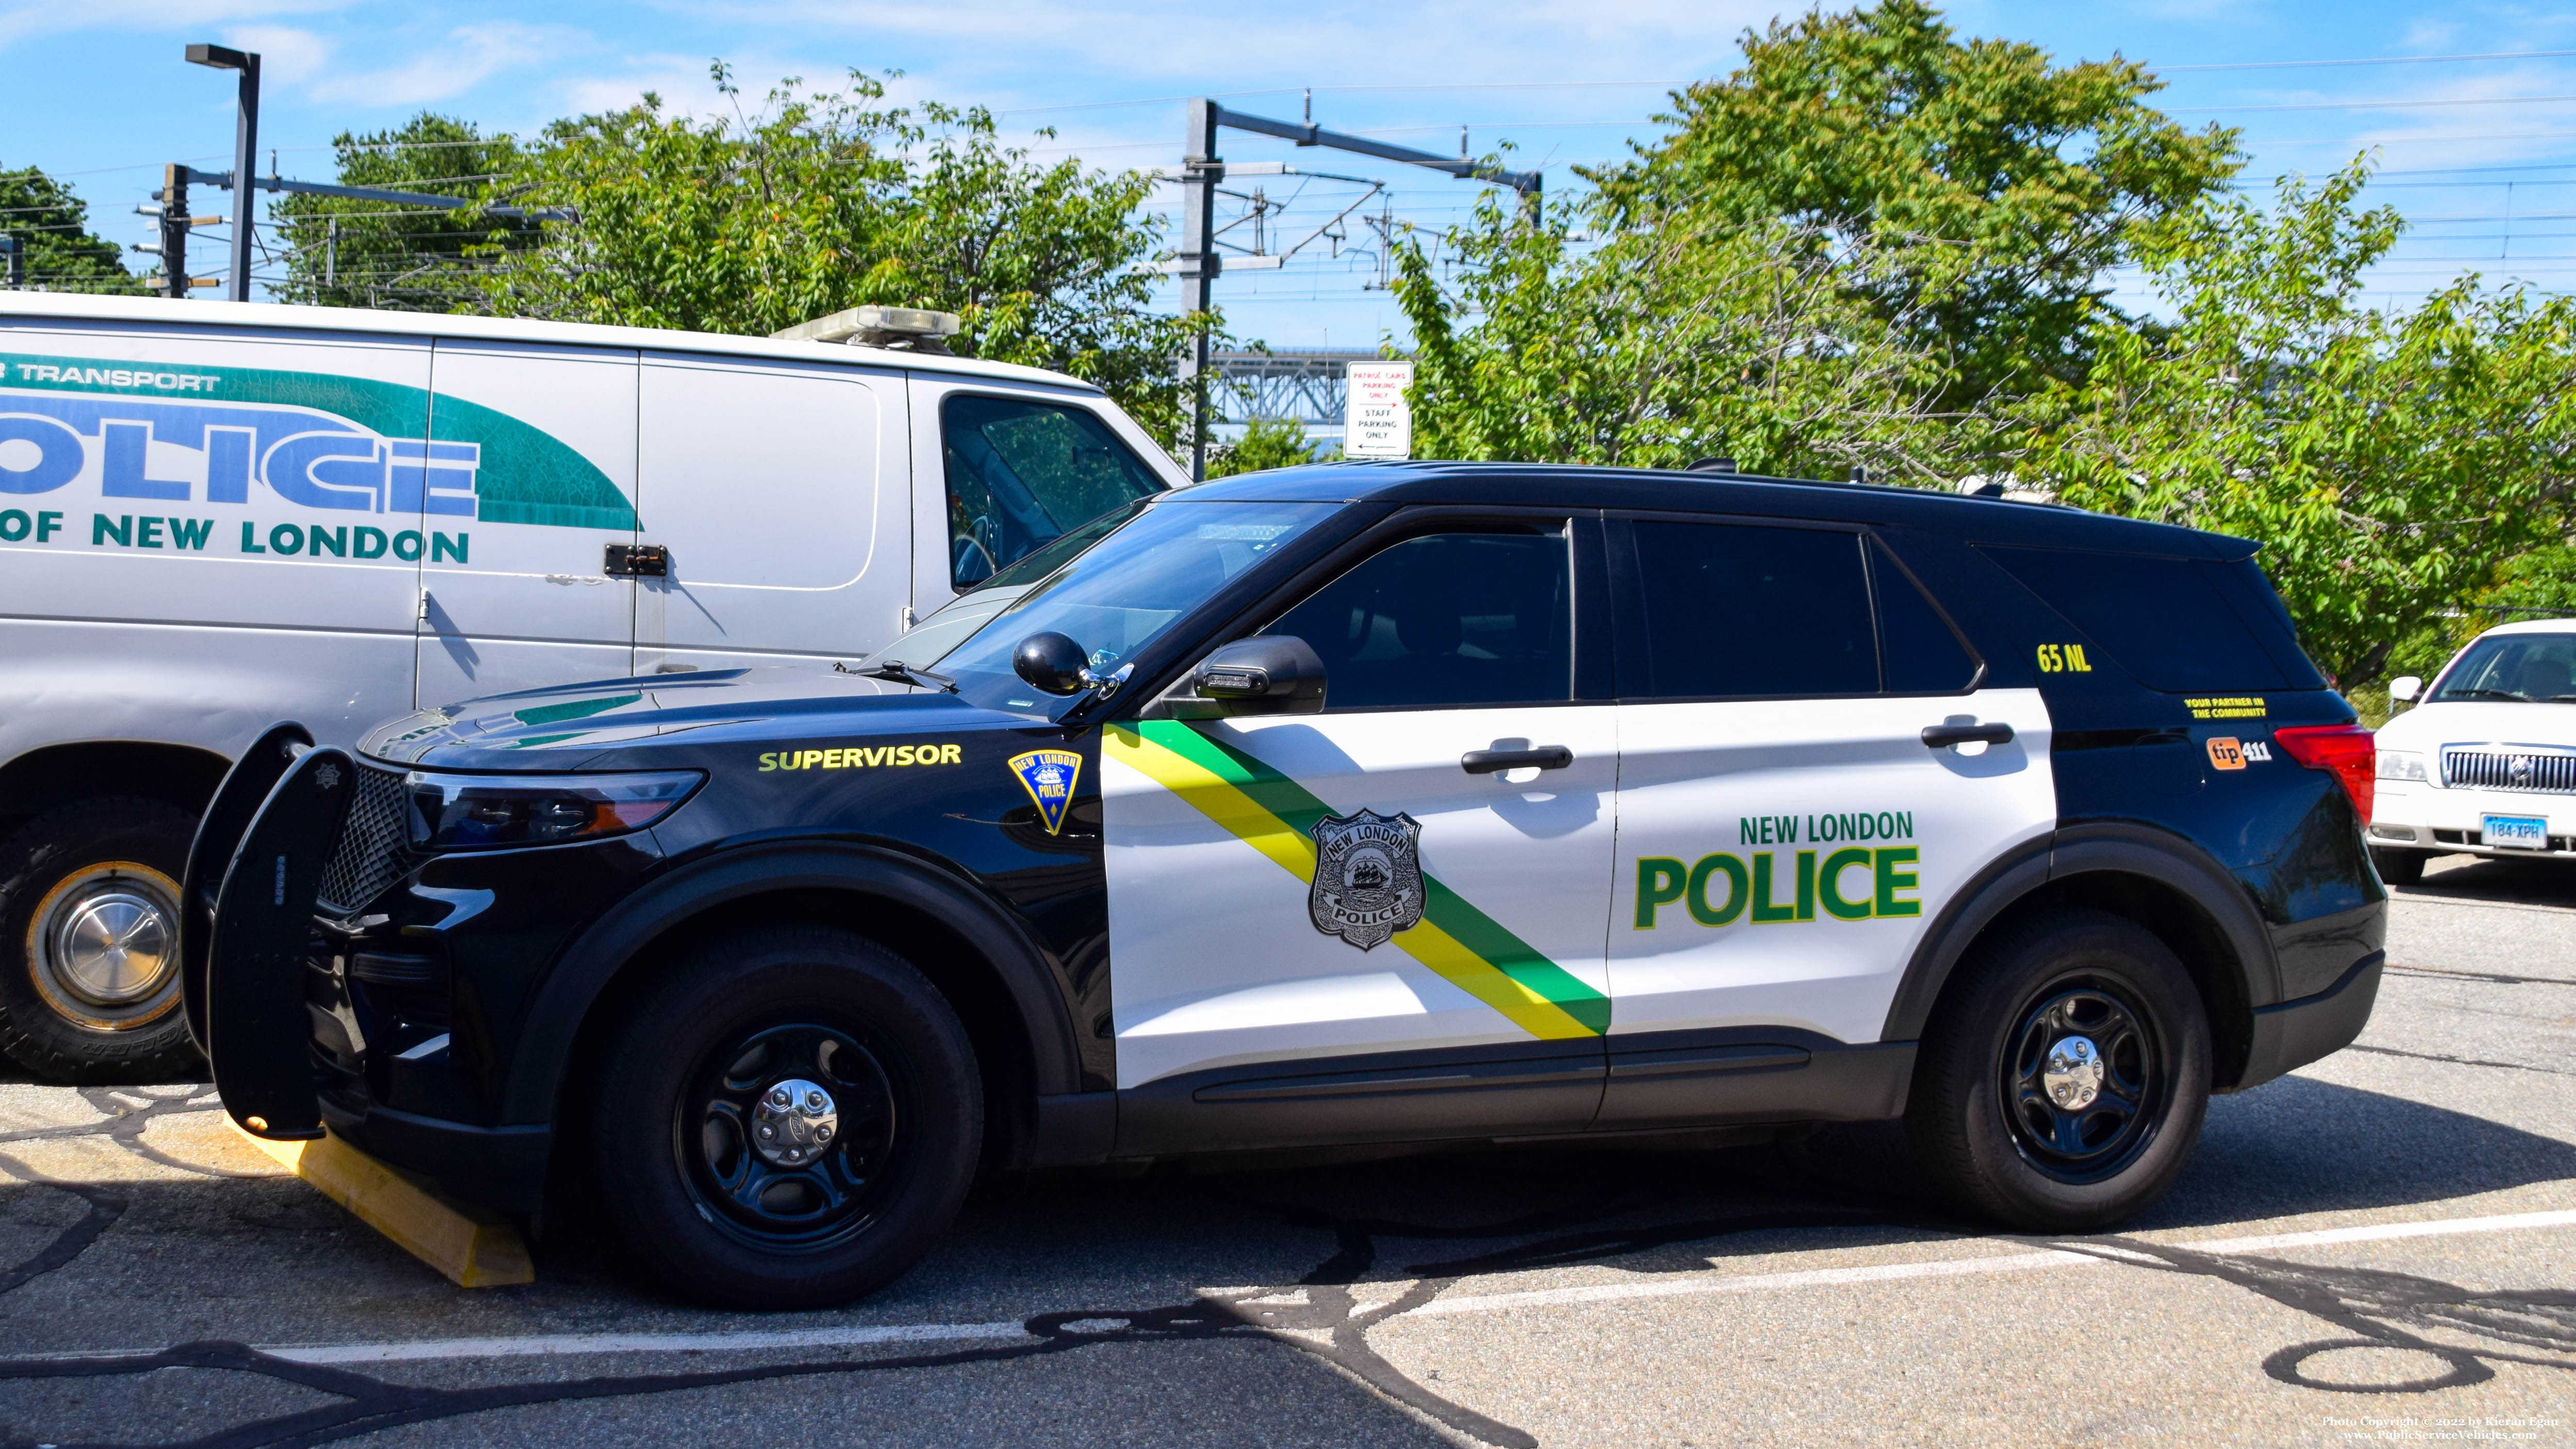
(2538, 768)
(375, 844)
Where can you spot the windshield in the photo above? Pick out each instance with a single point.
(2530, 668)
(1117, 596)
(1050, 558)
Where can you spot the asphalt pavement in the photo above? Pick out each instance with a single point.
(2378, 1249)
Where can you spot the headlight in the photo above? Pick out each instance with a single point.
(2401, 765)
(489, 812)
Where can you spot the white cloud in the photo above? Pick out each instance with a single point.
(286, 55)
(470, 55)
(47, 17)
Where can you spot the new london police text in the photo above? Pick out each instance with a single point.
(288, 540)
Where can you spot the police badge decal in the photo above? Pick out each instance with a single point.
(1368, 877)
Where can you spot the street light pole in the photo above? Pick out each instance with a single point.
(245, 146)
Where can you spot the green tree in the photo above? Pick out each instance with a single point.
(52, 226)
(2388, 464)
(1266, 443)
(828, 200)
(1997, 189)
(409, 258)
(1696, 336)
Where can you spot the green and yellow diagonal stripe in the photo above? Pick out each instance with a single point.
(1276, 816)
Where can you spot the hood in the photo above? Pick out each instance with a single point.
(597, 724)
(2428, 727)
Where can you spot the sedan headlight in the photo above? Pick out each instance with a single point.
(2401, 765)
(491, 812)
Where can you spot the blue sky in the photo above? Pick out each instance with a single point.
(2480, 153)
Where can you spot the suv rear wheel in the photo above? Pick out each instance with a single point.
(89, 942)
(2063, 1077)
(789, 1119)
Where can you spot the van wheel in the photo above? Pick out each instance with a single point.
(788, 1119)
(2062, 1079)
(2399, 867)
(89, 914)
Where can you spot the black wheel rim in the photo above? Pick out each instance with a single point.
(830, 1192)
(2084, 1080)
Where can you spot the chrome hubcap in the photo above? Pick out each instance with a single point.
(794, 1122)
(2073, 1076)
(106, 938)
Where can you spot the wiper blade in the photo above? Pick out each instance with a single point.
(901, 673)
(2487, 694)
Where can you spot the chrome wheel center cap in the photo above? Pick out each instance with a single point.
(112, 946)
(794, 1123)
(2073, 1077)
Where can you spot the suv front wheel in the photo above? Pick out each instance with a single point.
(789, 1119)
(2062, 1079)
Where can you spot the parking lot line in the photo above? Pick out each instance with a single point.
(541, 1345)
(1999, 1263)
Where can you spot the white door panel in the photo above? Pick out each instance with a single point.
(1218, 956)
(768, 482)
(528, 605)
(1730, 813)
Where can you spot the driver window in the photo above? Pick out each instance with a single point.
(1023, 474)
(1444, 621)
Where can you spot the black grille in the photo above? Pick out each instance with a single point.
(2508, 768)
(375, 844)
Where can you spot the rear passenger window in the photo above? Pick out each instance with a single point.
(1022, 474)
(1741, 609)
(1917, 648)
(2163, 619)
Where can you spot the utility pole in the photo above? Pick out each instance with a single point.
(174, 231)
(245, 157)
(16, 250)
(1199, 262)
(1201, 170)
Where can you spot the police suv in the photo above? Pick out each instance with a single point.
(213, 516)
(1363, 804)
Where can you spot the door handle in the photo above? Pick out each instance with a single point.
(1942, 735)
(1494, 762)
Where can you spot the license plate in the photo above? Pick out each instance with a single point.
(2516, 832)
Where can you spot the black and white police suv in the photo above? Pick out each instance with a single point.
(1398, 803)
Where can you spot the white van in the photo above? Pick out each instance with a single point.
(217, 515)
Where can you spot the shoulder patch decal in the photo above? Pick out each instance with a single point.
(1048, 776)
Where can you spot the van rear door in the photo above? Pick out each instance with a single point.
(530, 475)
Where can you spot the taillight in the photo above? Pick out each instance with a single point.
(2345, 751)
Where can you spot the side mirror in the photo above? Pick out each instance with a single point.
(1268, 674)
(1052, 664)
(2404, 688)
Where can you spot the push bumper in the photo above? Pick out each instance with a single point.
(2294, 1033)
(501, 1167)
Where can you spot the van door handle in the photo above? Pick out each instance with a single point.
(1494, 762)
(1941, 736)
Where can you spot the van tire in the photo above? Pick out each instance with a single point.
(94, 860)
(1982, 1116)
(695, 1066)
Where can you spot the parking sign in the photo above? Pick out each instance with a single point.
(1378, 422)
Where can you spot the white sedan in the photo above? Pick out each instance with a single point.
(2486, 764)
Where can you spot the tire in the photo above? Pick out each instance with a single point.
(808, 1219)
(2399, 867)
(89, 982)
(1981, 1116)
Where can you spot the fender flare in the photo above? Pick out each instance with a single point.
(564, 1001)
(2107, 846)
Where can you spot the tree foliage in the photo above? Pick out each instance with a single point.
(343, 252)
(1995, 188)
(827, 200)
(1693, 337)
(2389, 464)
(1267, 443)
(52, 226)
